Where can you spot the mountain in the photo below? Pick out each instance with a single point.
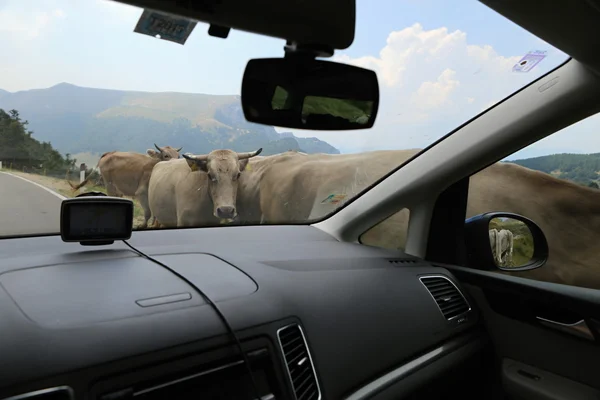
(84, 120)
(580, 168)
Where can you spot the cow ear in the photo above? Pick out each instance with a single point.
(151, 153)
(244, 165)
(196, 165)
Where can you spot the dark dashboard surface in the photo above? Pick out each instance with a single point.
(72, 314)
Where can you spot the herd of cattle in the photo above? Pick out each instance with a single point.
(226, 186)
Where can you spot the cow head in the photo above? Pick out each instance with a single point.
(223, 168)
(164, 153)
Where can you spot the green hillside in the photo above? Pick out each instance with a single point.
(580, 168)
(80, 120)
(20, 150)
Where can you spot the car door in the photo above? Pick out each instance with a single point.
(544, 323)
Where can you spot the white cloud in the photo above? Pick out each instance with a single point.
(432, 95)
(431, 80)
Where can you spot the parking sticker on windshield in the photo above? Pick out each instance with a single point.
(164, 26)
(529, 61)
(333, 199)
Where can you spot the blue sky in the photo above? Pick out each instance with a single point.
(439, 62)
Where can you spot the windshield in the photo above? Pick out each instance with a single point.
(87, 104)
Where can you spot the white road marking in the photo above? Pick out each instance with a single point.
(60, 196)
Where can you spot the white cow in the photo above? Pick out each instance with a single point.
(494, 242)
(502, 242)
(505, 245)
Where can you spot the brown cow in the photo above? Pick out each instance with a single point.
(292, 189)
(181, 191)
(289, 187)
(128, 174)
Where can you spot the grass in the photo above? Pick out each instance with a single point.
(343, 108)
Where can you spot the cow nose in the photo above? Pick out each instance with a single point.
(226, 212)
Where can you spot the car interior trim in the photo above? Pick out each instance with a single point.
(399, 373)
(579, 328)
(43, 392)
(186, 378)
(312, 364)
(429, 276)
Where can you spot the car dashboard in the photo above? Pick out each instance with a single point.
(317, 318)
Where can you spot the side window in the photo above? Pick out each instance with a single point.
(553, 182)
(389, 233)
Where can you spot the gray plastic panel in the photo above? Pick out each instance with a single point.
(79, 294)
(530, 383)
(216, 278)
(336, 290)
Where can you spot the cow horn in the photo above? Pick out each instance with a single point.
(179, 149)
(250, 154)
(157, 148)
(188, 156)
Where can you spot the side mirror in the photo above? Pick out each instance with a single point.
(506, 241)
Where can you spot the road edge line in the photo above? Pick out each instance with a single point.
(60, 196)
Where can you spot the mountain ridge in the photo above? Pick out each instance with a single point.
(579, 168)
(76, 119)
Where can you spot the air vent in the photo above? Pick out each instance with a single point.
(55, 393)
(299, 363)
(449, 299)
(403, 261)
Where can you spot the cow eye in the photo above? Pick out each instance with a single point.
(238, 175)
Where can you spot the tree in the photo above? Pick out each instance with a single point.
(594, 185)
(19, 148)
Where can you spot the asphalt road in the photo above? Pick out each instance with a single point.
(26, 208)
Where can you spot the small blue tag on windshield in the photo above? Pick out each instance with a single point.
(164, 26)
(529, 61)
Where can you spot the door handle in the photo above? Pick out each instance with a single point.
(579, 328)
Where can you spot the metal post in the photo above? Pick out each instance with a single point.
(81, 179)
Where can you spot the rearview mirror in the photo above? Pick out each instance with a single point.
(309, 94)
(506, 241)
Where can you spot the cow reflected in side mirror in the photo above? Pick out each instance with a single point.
(506, 241)
(511, 242)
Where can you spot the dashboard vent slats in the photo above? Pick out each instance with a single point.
(403, 261)
(299, 363)
(448, 298)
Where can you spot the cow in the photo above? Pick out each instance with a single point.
(493, 233)
(295, 189)
(181, 191)
(502, 243)
(505, 248)
(291, 187)
(128, 174)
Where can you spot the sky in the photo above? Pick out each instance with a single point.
(439, 63)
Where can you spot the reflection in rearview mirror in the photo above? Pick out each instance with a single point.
(309, 94)
(511, 242)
